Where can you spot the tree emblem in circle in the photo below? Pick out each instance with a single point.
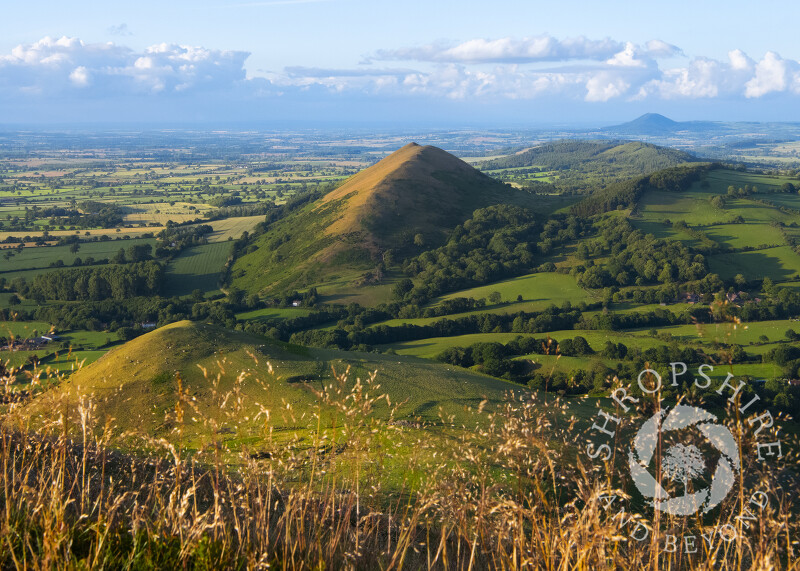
(683, 462)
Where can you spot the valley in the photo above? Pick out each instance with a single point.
(417, 245)
(385, 306)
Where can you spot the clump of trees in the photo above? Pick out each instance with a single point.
(637, 258)
(498, 242)
(175, 238)
(118, 281)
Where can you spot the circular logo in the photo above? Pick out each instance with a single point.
(683, 463)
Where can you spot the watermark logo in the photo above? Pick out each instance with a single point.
(683, 462)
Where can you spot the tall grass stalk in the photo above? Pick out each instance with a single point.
(512, 491)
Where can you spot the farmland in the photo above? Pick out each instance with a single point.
(753, 221)
(183, 316)
(192, 216)
(199, 267)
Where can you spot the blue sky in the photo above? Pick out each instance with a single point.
(413, 63)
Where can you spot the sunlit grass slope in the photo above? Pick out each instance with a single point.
(415, 190)
(137, 383)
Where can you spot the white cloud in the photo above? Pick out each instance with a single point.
(661, 49)
(702, 78)
(771, 75)
(54, 66)
(507, 50)
(80, 76)
(740, 61)
(478, 70)
(627, 58)
(605, 86)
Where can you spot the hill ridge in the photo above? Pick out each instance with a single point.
(615, 154)
(136, 383)
(416, 190)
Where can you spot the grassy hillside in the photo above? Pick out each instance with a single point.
(136, 383)
(411, 198)
(617, 158)
(756, 230)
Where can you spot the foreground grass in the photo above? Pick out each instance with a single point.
(512, 493)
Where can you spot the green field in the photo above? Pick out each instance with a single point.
(88, 339)
(52, 360)
(138, 400)
(273, 313)
(20, 358)
(342, 288)
(692, 208)
(429, 348)
(720, 179)
(40, 257)
(760, 230)
(743, 235)
(198, 267)
(69, 362)
(551, 363)
(741, 334)
(232, 228)
(23, 329)
(778, 264)
(537, 290)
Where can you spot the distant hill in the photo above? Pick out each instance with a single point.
(136, 383)
(609, 158)
(648, 123)
(655, 125)
(417, 190)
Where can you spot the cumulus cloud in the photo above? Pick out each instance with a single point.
(740, 61)
(627, 58)
(605, 86)
(54, 67)
(661, 49)
(593, 70)
(772, 74)
(506, 50)
(80, 76)
(478, 70)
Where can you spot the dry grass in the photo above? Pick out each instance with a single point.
(513, 494)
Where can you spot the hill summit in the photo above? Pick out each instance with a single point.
(418, 188)
(648, 124)
(137, 385)
(414, 196)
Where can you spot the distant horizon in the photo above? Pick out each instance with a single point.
(243, 126)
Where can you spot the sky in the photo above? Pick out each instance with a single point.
(413, 63)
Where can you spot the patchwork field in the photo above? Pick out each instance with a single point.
(163, 212)
(198, 267)
(760, 223)
(232, 228)
(537, 290)
(779, 264)
(273, 313)
(41, 257)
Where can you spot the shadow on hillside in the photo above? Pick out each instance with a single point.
(753, 265)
